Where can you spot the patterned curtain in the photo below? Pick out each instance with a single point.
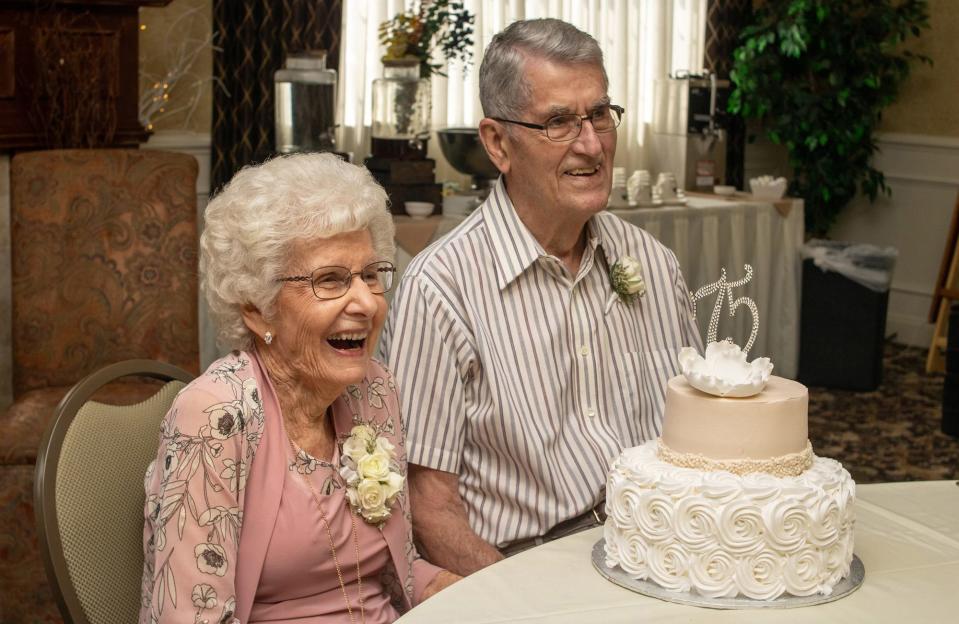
(254, 38)
(725, 19)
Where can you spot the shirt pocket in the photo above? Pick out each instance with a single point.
(645, 375)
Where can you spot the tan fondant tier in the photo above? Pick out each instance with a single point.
(770, 424)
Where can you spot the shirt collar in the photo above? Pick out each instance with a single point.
(515, 248)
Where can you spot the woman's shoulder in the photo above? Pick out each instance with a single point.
(226, 391)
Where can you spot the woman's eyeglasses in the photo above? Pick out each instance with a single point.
(333, 282)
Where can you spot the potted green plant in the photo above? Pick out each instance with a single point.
(416, 33)
(817, 75)
(402, 98)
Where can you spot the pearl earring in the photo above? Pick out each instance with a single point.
(268, 337)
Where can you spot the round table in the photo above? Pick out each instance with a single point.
(907, 535)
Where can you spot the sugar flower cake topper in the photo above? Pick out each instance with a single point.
(724, 370)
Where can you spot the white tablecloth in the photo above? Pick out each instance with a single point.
(907, 535)
(711, 233)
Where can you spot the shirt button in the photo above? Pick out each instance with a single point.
(591, 412)
(584, 350)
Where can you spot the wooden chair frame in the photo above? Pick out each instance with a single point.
(946, 291)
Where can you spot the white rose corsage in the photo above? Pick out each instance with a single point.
(626, 279)
(372, 474)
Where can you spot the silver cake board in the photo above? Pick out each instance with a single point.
(857, 572)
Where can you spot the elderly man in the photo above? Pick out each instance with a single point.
(533, 343)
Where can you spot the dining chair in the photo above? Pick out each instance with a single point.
(89, 497)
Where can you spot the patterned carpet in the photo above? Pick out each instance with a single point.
(891, 434)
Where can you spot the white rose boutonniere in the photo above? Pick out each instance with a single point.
(372, 474)
(626, 279)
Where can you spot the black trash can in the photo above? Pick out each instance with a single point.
(950, 386)
(843, 321)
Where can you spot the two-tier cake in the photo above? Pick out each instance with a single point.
(731, 501)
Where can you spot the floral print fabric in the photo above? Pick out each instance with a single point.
(196, 491)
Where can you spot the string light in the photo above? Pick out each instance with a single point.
(156, 90)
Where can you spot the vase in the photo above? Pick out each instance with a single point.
(401, 102)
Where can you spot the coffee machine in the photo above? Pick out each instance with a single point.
(688, 137)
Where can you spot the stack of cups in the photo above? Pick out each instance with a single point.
(666, 186)
(639, 188)
(617, 196)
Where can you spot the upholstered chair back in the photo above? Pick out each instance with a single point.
(104, 262)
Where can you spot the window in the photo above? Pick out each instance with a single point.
(642, 40)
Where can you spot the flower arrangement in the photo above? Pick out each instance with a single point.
(372, 474)
(416, 34)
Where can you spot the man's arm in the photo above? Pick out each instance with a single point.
(440, 524)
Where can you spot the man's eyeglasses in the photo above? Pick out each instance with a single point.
(333, 282)
(567, 127)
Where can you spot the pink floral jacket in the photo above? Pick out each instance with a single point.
(203, 545)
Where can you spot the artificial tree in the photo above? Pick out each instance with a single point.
(817, 75)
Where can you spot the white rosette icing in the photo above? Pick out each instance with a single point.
(631, 554)
(713, 574)
(678, 482)
(724, 371)
(719, 534)
(653, 517)
(720, 487)
(787, 524)
(760, 576)
(762, 487)
(668, 566)
(803, 571)
(826, 523)
(622, 498)
(695, 523)
(741, 527)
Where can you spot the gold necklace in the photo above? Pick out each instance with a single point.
(329, 535)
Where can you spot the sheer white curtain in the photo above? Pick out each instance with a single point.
(642, 41)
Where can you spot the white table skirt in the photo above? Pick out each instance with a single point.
(907, 535)
(709, 234)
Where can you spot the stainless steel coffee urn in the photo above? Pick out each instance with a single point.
(688, 138)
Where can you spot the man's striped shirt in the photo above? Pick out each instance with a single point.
(520, 377)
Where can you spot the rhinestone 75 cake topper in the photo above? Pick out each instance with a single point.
(725, 289)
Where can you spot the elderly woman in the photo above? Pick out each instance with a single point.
(278, 492)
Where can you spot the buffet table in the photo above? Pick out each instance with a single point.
(907, 535)
(707, 234)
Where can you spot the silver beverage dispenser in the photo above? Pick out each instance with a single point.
(688, 138)
(305, 94)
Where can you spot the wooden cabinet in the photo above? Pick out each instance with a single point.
(68, 73)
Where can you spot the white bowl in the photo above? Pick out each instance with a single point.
(765, 187)
(418, 209)
(724, 191)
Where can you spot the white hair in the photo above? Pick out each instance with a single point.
(253, 223)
